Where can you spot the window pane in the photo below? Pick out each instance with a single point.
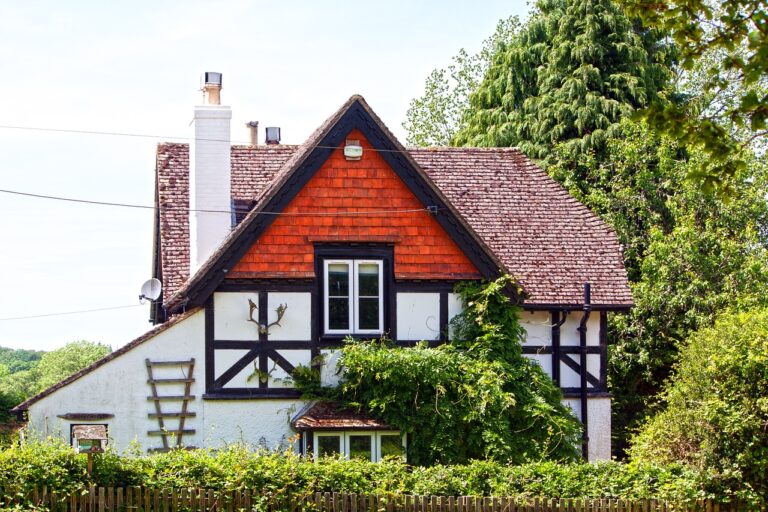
(338, 314)
(360, 447)
(338, 279)
(328, 445)
(391, 446)
(368, 279)
(369, 314)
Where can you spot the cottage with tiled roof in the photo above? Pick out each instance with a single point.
(270, 255)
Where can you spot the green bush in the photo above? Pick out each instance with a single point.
(716, 414)
(476, 397)
(280, 475)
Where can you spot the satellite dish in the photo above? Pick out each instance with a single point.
(151, 289)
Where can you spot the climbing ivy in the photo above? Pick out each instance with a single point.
(474, 397)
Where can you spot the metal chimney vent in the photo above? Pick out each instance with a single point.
(272, 135)
(212, 78)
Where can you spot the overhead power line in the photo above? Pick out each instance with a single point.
(7, 319)
(228, 212)
(164, 137)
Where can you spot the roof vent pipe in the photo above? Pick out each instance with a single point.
(272, 135)
(253, 131)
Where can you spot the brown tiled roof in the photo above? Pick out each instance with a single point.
(547, 239)
(109, 357)
(543, 236)
(252, 170)
(329, 416)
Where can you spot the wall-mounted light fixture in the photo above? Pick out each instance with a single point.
(353, 150)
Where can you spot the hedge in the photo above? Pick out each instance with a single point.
(58, 467)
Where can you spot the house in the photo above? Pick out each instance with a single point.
(271, 254)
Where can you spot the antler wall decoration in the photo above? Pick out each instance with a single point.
(264, 329)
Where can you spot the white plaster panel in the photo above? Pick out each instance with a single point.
(568, 377)
(418, 316)
(255, 422)
(543, 360)
(120, 387)
(538, 327)
(279, 378)
(599, 421)
(593, 365)
(574, 404)
(245, 378)
(571, 379)
(224, 359)
(297, 320)
(455, 307)
(569, 334)
(328, 375)
(230, 316)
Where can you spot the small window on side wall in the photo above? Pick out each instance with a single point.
(359, 444)
(353, 296)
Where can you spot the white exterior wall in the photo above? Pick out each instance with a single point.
(599, 425)
(418, 316)
(209, 182)
(261, 422)
(120, 387)
(231, 313)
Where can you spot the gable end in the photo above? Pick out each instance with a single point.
(298, 173)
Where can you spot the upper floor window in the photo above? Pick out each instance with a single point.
(353, 296)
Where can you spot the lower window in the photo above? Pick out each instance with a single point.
(372, 446)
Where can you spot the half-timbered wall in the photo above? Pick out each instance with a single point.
(257, 410)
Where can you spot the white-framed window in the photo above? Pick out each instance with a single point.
(359, 444)
(353, 296)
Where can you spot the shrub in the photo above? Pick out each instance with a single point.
(274, 476)
(716, 413)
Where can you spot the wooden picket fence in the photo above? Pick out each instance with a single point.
(137, 499)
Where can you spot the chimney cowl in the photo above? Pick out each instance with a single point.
(272, 135)
(211, 86)
(253, 131)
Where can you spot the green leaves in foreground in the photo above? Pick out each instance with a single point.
(275, 476)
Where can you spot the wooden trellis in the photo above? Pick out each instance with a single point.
(187, 378)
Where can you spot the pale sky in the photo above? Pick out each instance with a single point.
(134, 67)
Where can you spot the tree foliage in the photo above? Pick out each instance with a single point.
(689, 254)
(476, 397)
(44, 369)
(716, 405)
(573, 71)
(17, 360)
(61, 363)
(724, 46)
(434, 118)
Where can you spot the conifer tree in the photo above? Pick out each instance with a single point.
(572, 73)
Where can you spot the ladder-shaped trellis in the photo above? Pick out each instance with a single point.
(186, 379)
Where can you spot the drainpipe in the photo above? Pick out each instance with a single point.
(587, 308)
(558, 319)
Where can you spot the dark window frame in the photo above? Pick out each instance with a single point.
(362, 251)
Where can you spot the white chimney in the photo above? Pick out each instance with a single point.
(209, 174)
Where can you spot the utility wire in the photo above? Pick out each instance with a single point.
(68, 313)
(171, 137)
(228, 212)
